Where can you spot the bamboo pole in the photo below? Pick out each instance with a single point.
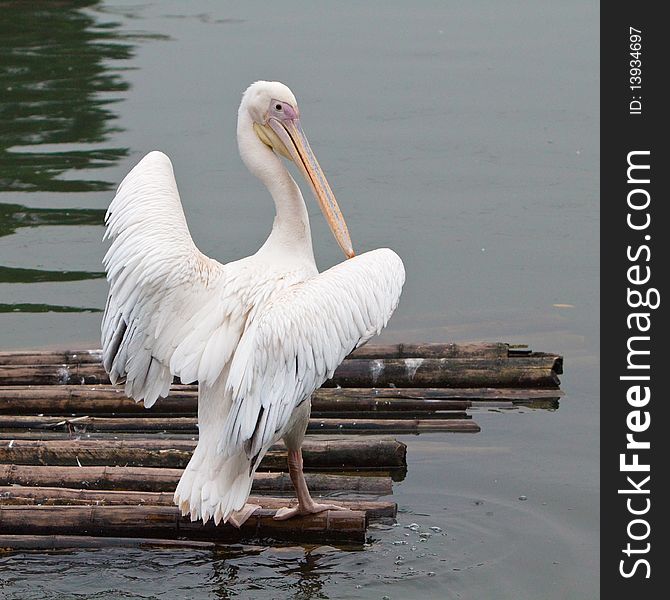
(62, 542)
(536, 404)
(149, 479)
(449, 372)
(189, 424)
(395, 414)
(392, 425)
(50, 357)
(183, 400)
(166, 521)
(19, 495)
(421, 350)
(426, 396)
(357, 453)
(98, 399)
(433, 350)
(523, 371)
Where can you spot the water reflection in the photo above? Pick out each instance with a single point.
(289, 571)
(56, 71)
(60, 78)
(14, 216)
(17, 275)
(307, 575)
(33, 307)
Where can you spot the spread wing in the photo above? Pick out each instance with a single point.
(298, 341)
(171, 310)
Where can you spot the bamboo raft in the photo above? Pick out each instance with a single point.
(82, 465)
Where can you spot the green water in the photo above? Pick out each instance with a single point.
(463, 135)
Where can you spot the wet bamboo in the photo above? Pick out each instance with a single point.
(524, 371)
(392, 425)
(433, 350)
(18, 495)
(189, 424)
(149, 479)
(537, 403)
(182, 401)
(419, 350)
(358, 453)
(167, 522)
(62, 542)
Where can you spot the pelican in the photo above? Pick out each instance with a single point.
(258, 334)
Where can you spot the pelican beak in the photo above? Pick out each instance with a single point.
(290, 141)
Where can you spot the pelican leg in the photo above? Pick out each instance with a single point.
(306, 504)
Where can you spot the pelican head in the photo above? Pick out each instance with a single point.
(276, 121)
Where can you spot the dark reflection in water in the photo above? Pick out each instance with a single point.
(55, 73)
(14, 216)
(299, 572)
(307, 575)
(59, 78)
(42, 308)
(16, 275)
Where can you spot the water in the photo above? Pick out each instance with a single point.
(463, 135)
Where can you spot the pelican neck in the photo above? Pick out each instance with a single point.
(291, 234)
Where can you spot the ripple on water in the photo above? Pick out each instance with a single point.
(420, 555)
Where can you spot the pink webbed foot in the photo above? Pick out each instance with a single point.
(287, 513)
(238, 517)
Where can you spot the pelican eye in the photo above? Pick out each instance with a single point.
(278, 106)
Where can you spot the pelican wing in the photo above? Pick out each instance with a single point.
(171, 310)
(298, 341)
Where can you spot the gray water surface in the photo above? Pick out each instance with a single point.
(463, 135)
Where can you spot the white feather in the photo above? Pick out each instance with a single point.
(263, 369)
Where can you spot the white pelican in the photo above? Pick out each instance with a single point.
(259, 334)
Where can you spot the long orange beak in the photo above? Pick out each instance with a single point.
(292, 136)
